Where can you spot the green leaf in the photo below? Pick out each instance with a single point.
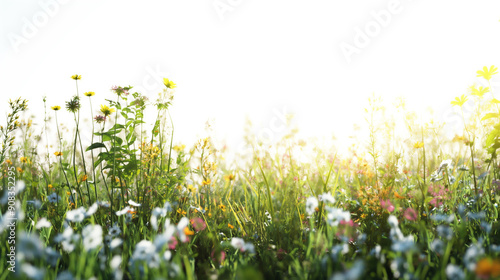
(95, 146)
(489, 116)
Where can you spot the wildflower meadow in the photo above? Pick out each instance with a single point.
(118, 197)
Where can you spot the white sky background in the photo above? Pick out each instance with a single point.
(261, 56)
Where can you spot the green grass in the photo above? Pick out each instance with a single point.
(136, 205)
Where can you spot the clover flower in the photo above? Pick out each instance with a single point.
(100, 119)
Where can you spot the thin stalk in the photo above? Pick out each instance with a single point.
(60, 161)
(92, 151)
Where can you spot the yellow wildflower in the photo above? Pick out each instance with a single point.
(229, 177)
(58, 154)
(83, 178)
(179, 148)
(56, 108)
(76, 77)
(168, 83)
(89, 93)
(418, 145)
(206, 182)
(230, 226)
(187, 231)
(106, 110)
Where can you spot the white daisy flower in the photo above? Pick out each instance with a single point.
(92, 237)
(76, 216)
(43, 223)
(311, 204)
(133, 203)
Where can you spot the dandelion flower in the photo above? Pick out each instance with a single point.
(89, 93)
